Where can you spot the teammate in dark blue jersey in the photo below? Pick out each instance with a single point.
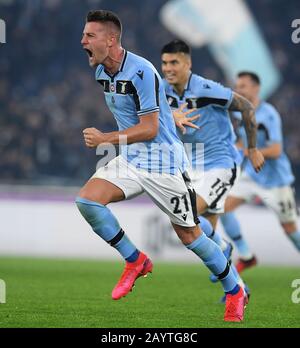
(152, 161)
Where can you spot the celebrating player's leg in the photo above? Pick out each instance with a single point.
(135, 95)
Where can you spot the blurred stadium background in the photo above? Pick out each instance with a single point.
(48, 96)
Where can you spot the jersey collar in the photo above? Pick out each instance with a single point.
(187, 86)
(123, 60)
(120, 68)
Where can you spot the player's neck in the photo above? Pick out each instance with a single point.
(179, 89)
(114, 59)
(255, 101)
(180, 86)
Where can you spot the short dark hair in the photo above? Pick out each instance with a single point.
(254, 77)
(104, 16)
(176, 46)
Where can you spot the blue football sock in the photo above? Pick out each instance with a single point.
(233, 230)
(133, 257)
(295, 238)
(212, 256)
(207, 228)
(234, 291)
(237, 276)
(104, 223)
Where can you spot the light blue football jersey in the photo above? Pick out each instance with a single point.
(136, 90)
(276, 172)
(216, 131)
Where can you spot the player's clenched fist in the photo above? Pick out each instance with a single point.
(93, 137)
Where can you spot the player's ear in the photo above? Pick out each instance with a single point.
(257, 88)
(189, 62)
(113, 39)
(110, 41)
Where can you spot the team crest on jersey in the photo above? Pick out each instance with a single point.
(172, 101)
(112, 88)
(123, 85)
(192, 103)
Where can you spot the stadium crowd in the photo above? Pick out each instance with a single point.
(48, 94)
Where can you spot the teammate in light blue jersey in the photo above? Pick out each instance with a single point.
(272, 184)
(277, 171)
(213, 129)
(134, 93)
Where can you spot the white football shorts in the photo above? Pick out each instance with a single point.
(280, 199)
(214, 186)
(173, 194)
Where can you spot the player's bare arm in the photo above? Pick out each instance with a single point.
(242, 105)
(183, 120)
(145, 130)
(273, 151)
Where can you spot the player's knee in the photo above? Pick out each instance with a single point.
(187, 234)
(232, 203)
(89, 195)
(289, 227)
(201, 205)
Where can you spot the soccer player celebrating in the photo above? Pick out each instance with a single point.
(135, 95)
(213, 129)
(273, 184)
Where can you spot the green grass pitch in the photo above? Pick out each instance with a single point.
(74, 293)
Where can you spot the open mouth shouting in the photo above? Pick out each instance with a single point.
(91, 56)
(89, 52)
